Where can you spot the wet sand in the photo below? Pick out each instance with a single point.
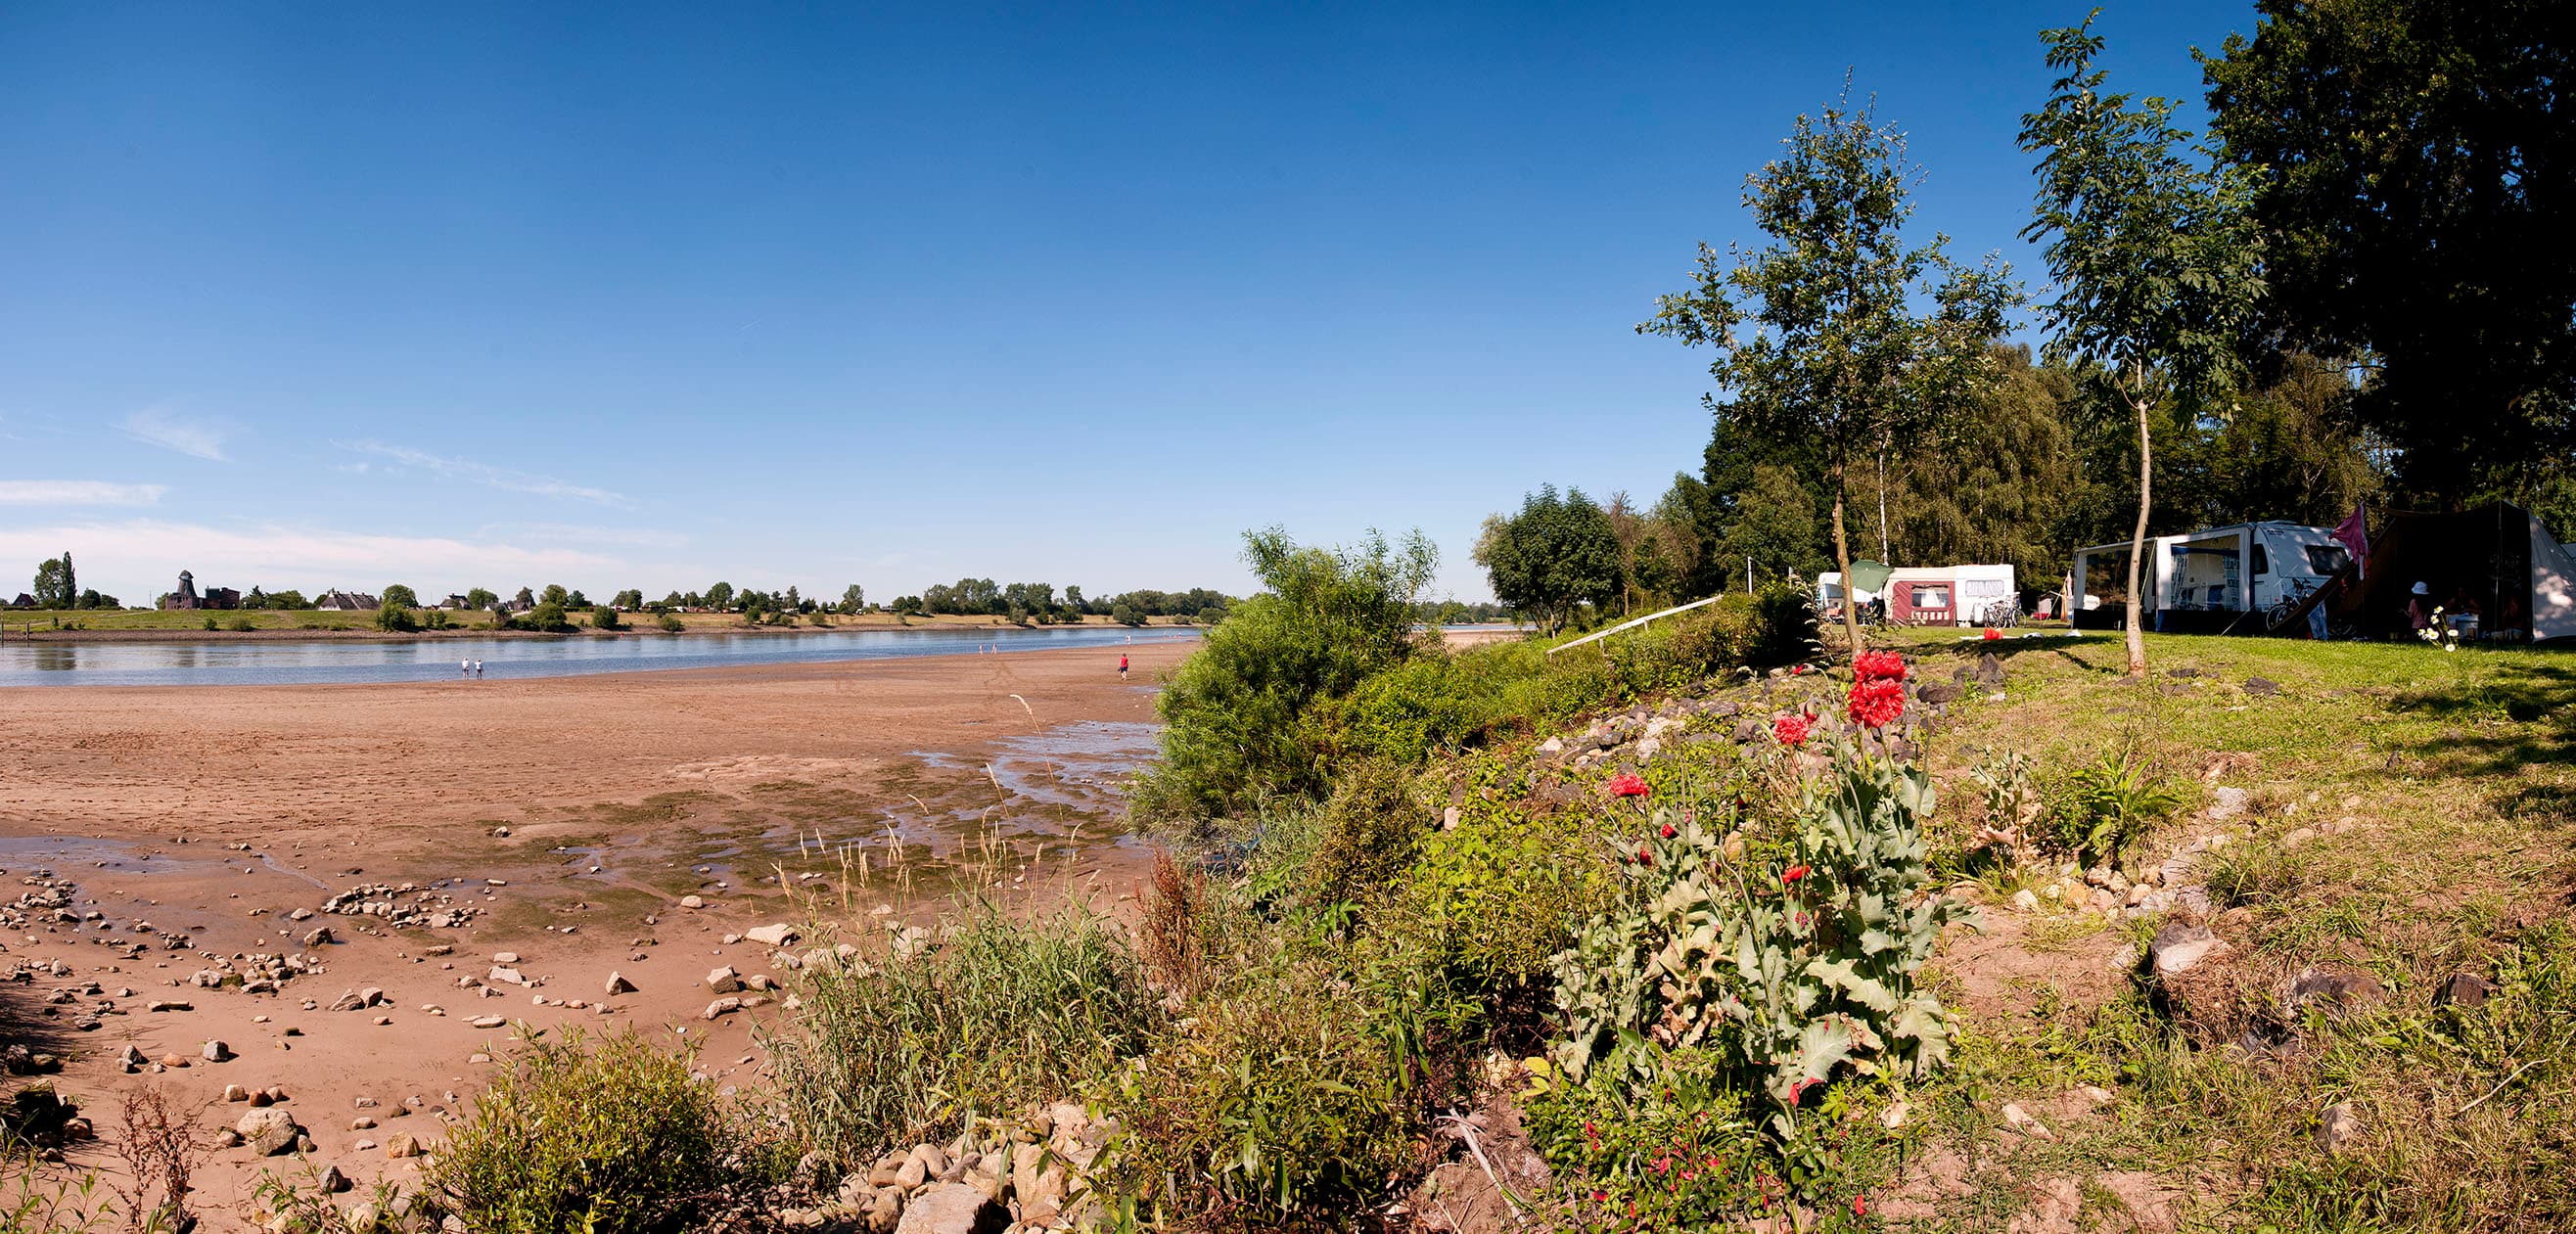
(571, 815)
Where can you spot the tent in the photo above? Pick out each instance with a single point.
(2496, 557)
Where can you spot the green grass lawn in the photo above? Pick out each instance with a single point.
(2408, 819)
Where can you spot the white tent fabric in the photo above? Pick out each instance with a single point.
(2553, 586)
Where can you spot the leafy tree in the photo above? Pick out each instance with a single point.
(398, 596)
(603, 617)
(481, 598)
(2412, 163)
(1073, 600)
(671, 624)
(1839, 355)
(90, 597)
(2155, 259)
(1998, 482)
(54, 589)
(630, 599)
(395, 618)
(720, 597)
(576, 600)
(290, 599)
(908, 606)
(1774, 527)
(555, 594)
(548, 617)
(1126, 614)
(854, 599)
(525, 600)
(1233, 712)
(1557, 554)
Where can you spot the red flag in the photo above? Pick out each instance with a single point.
(2355, 534)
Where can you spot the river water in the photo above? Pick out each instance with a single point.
(318, 661)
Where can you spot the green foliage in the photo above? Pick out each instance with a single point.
(2409, 167)
(395, 620)
(604, 618)
(2107, 807)
(1839, 361)
(548, 618)
(481, 599)
(55, 587)
(1235, 711)
(1487, 905)
(1793, 969)
(720, 597)
(576, 1137)
(1279, 1105)
(671, 624)
(399, 596)
(997, 1015)
(1365, 833)
(1555, 556)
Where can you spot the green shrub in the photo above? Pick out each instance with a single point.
(1365, 833)
(546, 618)
(241, 624)
(999, 1014)
(573, 1137)
(672, 624)
(604, 618)
(1487, 905)
(1236, 724)
(1280, 1103)
(394, 620)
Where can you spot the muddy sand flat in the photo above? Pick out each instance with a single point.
(560, 820)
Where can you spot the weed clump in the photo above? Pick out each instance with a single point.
(994, 1015)
(612, 1137)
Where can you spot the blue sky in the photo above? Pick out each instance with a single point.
(313, 296)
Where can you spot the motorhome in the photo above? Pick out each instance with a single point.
(2216, 580)
(1931, 595)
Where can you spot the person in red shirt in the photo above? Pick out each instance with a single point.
(1122, 668)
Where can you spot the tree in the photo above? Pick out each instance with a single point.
(2411, 163)
(289, 599)
(720, 597)
(603, 617)
(1235, 712)
(398, 596)
(53, 588)
(395, 618)
(1557, 554)
(854, 599)
(481, 598)
(1126, 614)
(630, 599)
(548, 617)
(1839, 356)
(2154, 257)
(1774, 529)
(525, 600)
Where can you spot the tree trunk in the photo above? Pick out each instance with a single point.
(1842, 558)
(1883, 553)
(2138, 543)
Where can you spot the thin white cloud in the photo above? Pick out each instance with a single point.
(480, 473)
(145, 555)
(582, 533)
(78, 493)
(161, 427)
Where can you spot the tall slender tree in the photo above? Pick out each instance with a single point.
(2155, 259)
(1838, 352)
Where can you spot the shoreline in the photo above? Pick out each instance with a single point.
(557, 830)
(10, 635)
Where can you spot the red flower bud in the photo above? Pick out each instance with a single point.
(1668, 831)
(1626, 785)
(1793, 874)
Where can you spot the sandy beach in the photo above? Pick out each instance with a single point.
(560, 821)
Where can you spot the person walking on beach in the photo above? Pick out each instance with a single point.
(478, 670)
(465, 668)
(1122, 668)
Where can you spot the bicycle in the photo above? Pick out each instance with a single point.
(2002, 614)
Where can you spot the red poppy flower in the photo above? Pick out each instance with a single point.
(1668, 831)
(1878, 666)
(1992, 635)
(1793, 874)
(1876, 702)
(1799, 1089)
(1625, 785)
(1797, 670)
(1860, 1206)
(1791, 730)
(1644, 858)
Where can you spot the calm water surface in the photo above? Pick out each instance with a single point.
(253, 662)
